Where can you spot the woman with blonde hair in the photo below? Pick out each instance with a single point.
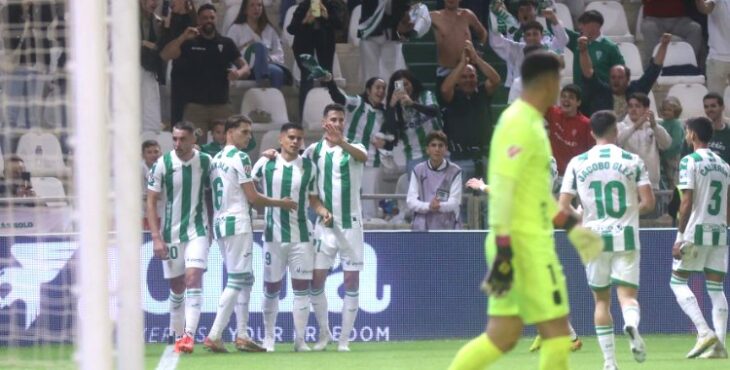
(670, 111)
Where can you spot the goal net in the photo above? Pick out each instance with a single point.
(69, 136)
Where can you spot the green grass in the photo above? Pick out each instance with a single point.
(665, 352)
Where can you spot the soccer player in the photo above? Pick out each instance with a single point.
(526, 283)
(339, 164)
(287, 237)
(233, 190)
(701, 244)
(614, 188)
(180, 176)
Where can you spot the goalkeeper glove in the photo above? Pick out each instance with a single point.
(499, 278)
(586, 242)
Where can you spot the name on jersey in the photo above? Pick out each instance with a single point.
(219, 165)
(604, 166)
(713, 167)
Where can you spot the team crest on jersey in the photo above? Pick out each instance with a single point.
(247, 169)
(599, 54)
(220, 48)
(513, 151)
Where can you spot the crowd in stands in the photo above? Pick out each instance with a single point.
(202, 51)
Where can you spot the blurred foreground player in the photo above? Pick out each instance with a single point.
(526, 283)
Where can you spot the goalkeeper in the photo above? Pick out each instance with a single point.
(526, 282)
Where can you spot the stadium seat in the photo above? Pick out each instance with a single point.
(336, 73)
(41, 152)
(269, 141)
(652, 104)
(354, 23)
(566, 75)
(148, 135)
(49, 187)
(231, 11)
(286, 37)
(563, 13)
(727, 101)
(268, 100)
(164, 138)
(615, 25)
(679, 53)
(314, 104)
(690, 96)
(632, 58)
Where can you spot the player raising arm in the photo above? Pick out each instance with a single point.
(520, 243)
(614, 188)
(701, 244)
(233, 190)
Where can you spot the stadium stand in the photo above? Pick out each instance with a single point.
(681, 56)
(266, 100)
(41, 152)
(632, 58)
(690, 96)
(615, 25)
(49, 187)
(314, 105)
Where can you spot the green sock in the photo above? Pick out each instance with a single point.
(476, 354)
(554, 353)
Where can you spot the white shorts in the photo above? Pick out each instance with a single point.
(709, 259)
(185, 255)
(330, 241)
(298, 256)
(237, 252)
(618, 268)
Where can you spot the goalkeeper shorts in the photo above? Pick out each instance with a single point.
(539, 292)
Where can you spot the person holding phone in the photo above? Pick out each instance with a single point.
(434, 192)
(16, 180)
(213, 62)
(411, 114)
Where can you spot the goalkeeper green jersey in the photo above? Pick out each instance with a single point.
(520, 151)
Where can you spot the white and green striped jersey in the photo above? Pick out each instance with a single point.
(554, 175)
(181, 185)
(708, 176)
(281, 179)
(339, 179)
(418, 126)
(231, 167)
(362, 121)
(607, 180)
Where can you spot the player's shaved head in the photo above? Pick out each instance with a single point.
(701, 127)
(603, 122)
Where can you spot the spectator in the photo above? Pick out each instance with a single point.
(718, 30)
(313, 28)
(512, 52)
(16, 180)
(210, 59)
(467, 104)
(411, 114)
(668, 16)
(434, 191)
(218, 136)
(604, 53)
(527, 11)
(259, 43)
(714, 106)
(151, 151)
(516, 89)
(25, 32)
(639, 133)
(671, 109)
(611, 95)
(576, 7)
(452, 29)
(152, 66)
(480, 8)
(384, 26)
(569, 130)
(182, 16)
